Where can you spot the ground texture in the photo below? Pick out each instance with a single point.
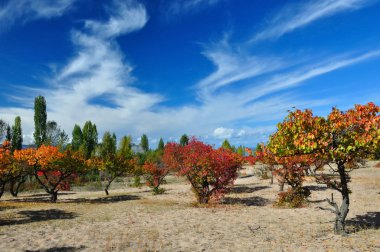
(132, 219)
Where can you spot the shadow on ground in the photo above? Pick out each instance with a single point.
(317, 188)
(2, 208)
(107, 199)
(38, 215)
(246, 189)
(59, 249)
(250, 201)
(46, 194)
(370, 220)
(45, 198)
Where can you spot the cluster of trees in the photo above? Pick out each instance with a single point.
(305, 143)
(302, 145)
(53, 162)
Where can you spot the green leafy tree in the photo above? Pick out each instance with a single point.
(55, 136)
(108, 145)
(8, 135)
(226, 145)
(144, 143)
(17, 135)
(184, 140)
(40, 117)
(77, 138)
(240, 150)
(125, 147)
(161, 145)
(90, 139)
(259, 147)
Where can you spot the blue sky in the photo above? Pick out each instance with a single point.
(214, 69)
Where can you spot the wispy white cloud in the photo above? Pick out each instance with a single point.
(296, 16)
(292, 79)
(232, 66)
(180, 7)
(125, 17)
(27, 10)
(99, 69)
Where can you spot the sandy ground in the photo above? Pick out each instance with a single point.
(132, 219)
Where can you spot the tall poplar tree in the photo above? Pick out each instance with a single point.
(108, 146)
(125, 147)
(40, 117)
(17, 135)
(184, 140)
(161, 145)
(77, 138)
(226, 145)
(144, 143)
(8, 135)
(90, 138)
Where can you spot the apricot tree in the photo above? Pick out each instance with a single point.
(209, 171)
(342, 138)
(52, 168)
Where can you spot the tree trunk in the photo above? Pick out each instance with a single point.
(2, 186)
(108, 185)
(281, 185)
(54, 196)
(339, 227)
(271, 178)
(205, 194)
(203, 199)
(14, 191)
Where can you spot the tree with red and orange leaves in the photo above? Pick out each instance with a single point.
(209, 171)
(343, 138)
(51, 168)
(6, 169)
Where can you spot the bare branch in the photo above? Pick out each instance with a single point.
(333, 204)
(327, 209)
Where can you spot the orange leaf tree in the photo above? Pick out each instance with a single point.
(6, 160)
(342, 138)
(52, 168)
(209, 171)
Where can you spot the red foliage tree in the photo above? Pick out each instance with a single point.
(209, 171)
(154, 174)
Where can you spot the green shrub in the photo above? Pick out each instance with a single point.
(136, 181)
(293, 198)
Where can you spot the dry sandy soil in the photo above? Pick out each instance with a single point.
(132, 219)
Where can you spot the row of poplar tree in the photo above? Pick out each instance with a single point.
(84, 139)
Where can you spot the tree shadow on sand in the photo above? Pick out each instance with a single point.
(250, 201)
(317, 188)
(45, 198)
(59, 249)
(370, 220)
(46, 194)
(246, 189)
(2, 208)
(107, 199)
(39, 215)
